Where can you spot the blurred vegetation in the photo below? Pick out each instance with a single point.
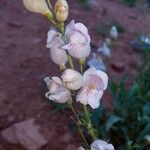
(85, 4)
(103, 29)
(130, 3)
(128, 126)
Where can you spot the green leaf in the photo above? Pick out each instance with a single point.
(97, 115)
(145, 131)
(111, 121)
(113, 88)
(146, 109)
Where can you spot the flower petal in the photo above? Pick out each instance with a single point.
(67, 46)
(80, 51)
(82, 28)
(104, 79)
(94, 98)
(57, 80)
(101, 145)
(82, 96)
(58, 56)
(110, 147)
(50, 36)
(72, 79)
(88, 72)
(70, 27)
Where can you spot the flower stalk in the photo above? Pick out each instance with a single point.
(70, 62)
(88, 123)
(78, 124)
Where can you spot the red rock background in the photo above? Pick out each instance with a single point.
(24, 62)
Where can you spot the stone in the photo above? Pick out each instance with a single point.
(25, 133)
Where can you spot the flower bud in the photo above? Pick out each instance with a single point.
(61, 10)
(72, 79)
(37, 6)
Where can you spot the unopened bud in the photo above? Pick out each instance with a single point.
(61, 10)
(37, 6)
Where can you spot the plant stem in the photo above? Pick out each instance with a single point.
(81, 68)
(78, 125)
(89, 124)
(70, 62)
(81, 62)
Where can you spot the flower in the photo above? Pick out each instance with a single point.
(81, 148)
(101, 145)
(114, 33)
(61, 10)
(72, 79)
(78, 45)
(57, 92)
(37, 6)
(54, 43)
(95, 82)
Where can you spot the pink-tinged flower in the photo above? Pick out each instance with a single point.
(101, 145)
(54, 43)
(78, 45)
(57, 92)
(95, 82)
(72, 79)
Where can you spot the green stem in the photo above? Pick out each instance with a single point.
(81, 68)
(81, 62)
(70, 62)
(78, 125)
(89, 123)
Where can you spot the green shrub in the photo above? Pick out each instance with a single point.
(128, 126)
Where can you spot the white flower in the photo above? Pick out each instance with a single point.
(81, 148)
(78, 45)
(72, 79)
(57, 92)
(37, 6)
(95, 82)
(101, 145)
(54, 43)
(61, 10)
(114, 33)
